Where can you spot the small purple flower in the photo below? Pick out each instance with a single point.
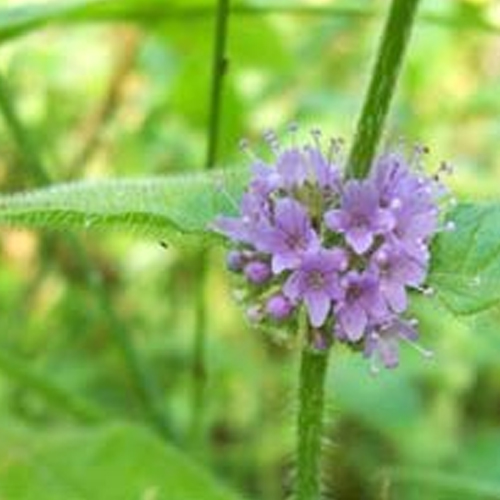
(326, 175)
(265, 178)
(396, 270)
(292, 168)
(384, 340)
(316, 282)
(412, 230)
(288, 237)
(391, 176)
(279, 307)
(257, 272)
(255, 210)
(359, 302)
(412, 200)
(360, 217)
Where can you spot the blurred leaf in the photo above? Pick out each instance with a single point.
(465, 266)
(460, 486)
(41, 384)
(16, 20)
(114, 462)
(384, 403)
(171, 208)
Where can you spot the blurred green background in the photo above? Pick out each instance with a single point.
(129, 97)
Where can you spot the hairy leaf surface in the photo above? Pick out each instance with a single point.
(466, 262)
(171, 208)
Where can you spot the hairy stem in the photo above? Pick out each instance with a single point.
(146, 387)
(219, 67)
(313, 369)
(382, 84)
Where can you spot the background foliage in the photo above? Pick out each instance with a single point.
(121, 89)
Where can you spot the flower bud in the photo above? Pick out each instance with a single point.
(235, 261)
(255, 314)
(278, 307)
(257, 272)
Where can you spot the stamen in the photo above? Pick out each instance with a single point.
(425, 290)
(445, 169)
(333, 149)
(316, 136)
(244, 146)
(447, 227)
(293, 128)
(450, 226)
(272, 140)
(426, 353)
(416, 161)
(374, 367)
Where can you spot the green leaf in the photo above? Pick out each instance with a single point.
(368, 402)
(19, 19)
(112, 462)
(465, 268)
(171, 208)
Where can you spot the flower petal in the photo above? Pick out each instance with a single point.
(292, 287)
(395, 295)
(335, 220)
(353, 321)
(282, 261)
(360, 239)
(318, 305)
(388, 350)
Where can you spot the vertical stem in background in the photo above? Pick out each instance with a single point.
(382, 84)
(144, 382)
(313, 369)
(199, 369)
(219, 63)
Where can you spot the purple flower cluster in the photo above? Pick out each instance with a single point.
(345, 251)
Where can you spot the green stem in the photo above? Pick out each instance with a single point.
(146, 387)
(27, 147)
(199, 364)
(313, 370)
(199, 368)
(219, 67)
(38, 382)
(383, 81)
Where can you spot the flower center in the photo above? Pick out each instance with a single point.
(295, 241)
(353, 293)
(359, 221)
(316, 280)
